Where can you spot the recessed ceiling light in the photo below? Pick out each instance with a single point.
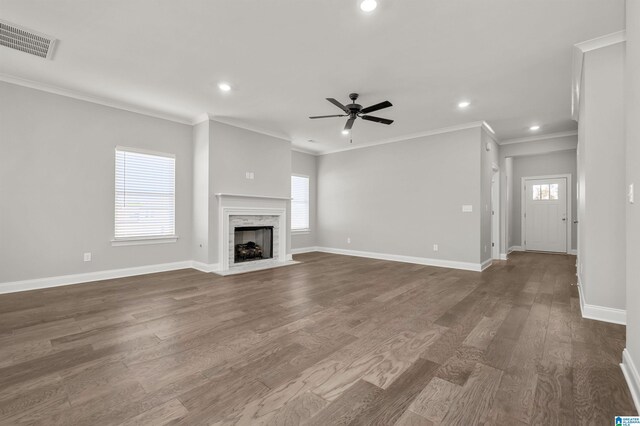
(345, 132)
(534, 128)
(464, 104)
(368, 5)
(225, 87)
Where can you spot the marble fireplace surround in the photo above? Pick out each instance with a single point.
(251, 210)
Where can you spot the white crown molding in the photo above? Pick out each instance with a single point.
(112, 103)
(241, 125)
(302, 150)
(600, 42)
(630, 372)
(472, 125)
(540, 137)
(490, 132)
(453, 264)
(579, 49)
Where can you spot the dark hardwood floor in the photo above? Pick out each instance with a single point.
(333, 340)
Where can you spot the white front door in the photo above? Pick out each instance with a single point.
(545, 216)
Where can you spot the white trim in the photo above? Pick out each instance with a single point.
(600, 313)
(630, 372)
(304, 231)
(442, 130)
(523, 196)
(112, 103)
(304, 250)
(302, 150)
(87, 277)
(515, 248)
(144, 151)
(468, 266)
(487, 263)
(139, 241)
(503, 256)
(573, 252)
(540, 137)
(579, 49)
(204, 267)
(603, 41)
(490, 132)
(205, 116)
(221, 194)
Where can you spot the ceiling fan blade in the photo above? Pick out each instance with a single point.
(376, 107)
(349, 124)
(328, 116)
(376, 119)
(339, 105)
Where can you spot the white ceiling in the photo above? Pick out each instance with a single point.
(510, 58)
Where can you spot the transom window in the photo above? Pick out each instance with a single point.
(545, 192)
(145, 194)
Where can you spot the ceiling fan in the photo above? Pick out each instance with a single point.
(354, 110)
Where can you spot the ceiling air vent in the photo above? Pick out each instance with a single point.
(25, 40)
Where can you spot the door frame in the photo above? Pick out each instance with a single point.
(523, 207)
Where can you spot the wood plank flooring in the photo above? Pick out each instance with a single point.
(333, 340)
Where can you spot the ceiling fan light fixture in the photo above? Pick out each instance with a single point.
(368, 5)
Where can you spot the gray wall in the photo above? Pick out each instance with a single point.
(559, 162)
(57, 184)
(306, 164)
(632, 91)
(601, 154)
(401, 198)
(233, 152)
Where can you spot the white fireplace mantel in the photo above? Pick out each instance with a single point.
(249, 205)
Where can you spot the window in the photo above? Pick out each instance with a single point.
(145, 195)
(545, 192)
(299, 203)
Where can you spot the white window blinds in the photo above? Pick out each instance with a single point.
(145, 194)
(299, 203)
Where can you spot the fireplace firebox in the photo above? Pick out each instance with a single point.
(253, 243)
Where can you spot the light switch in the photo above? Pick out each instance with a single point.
(249, 175)
(87, 257)
(467, 208)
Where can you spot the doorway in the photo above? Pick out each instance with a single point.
(545, 207)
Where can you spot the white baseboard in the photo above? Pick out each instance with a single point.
(600, 313)
(572, 252)
(303, 250)
(289, 257)
(484, 265)
(503, 256)
(631, 375)
(468, 266)
(24, 285)
(204, 267)
(515, 248)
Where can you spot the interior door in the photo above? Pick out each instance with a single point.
(545, 216)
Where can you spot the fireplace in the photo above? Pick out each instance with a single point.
(253, 243)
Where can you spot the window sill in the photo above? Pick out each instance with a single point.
(137, 241)
(300, 231)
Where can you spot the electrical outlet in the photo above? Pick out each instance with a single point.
(250, 175)
(87, 257)
(348, 240)
(467, 208)
(435, 247)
